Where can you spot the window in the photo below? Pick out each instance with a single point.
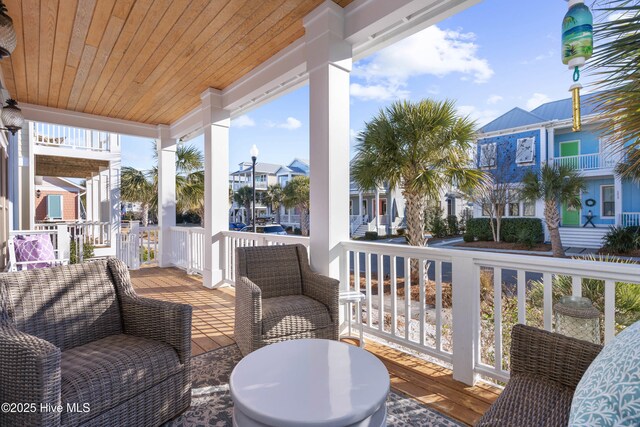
(525, 150)
(488, 155)
(451, 206)
(608, 201)
(486, 210)
(350, 207)
(514, 209)
(529, 209)
(54, 206)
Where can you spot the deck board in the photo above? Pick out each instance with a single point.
(212, 328)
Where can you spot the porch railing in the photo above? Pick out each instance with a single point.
(138, 246)
(631, 219)
(187, 248)
(462, 305)
(50, 135)
(97, 233)
(587, 161)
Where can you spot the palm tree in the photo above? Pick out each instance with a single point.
(142, 186)
(274, 196)
(555, 185)
(244, 197)
(617, 64)
(136, 187)
(422, 147)
(296, 195)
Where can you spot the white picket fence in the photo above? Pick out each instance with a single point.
(138, 246)
(97, 233)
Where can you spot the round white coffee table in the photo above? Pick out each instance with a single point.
(309, 382)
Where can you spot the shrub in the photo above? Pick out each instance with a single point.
(371, 235)
(87, 252)
(435, 223)
(525, 238)
(511, 229)
(468, 237)
(297, 231)
(622, 240)
(400, 231)
(452, 225)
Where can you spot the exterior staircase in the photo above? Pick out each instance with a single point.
(580, 237)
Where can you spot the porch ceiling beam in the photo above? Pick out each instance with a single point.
(62, 117)
(370, 25)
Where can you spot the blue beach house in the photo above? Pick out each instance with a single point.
(521, 141)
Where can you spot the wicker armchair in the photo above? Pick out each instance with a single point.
(80, 335)
(545, 370)
(279, 298)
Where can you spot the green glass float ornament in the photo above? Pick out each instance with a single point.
(577, 48)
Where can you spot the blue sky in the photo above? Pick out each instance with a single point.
(490, 58)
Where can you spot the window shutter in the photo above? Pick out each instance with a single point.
(54, 206)
(524, 150)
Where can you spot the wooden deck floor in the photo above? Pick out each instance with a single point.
(213, 314)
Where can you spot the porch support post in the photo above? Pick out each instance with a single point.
(114, 202)
(329, 61)
(13, 194)
(166, 147)
(617, 186)
(360, 212)
(377, 209)
(95, 203)
(216, 121)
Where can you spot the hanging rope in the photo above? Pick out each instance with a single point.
(576, 74)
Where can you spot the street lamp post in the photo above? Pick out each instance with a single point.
(254, 156)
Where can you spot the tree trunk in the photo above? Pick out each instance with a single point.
(277, 210)
(304, 221)
(145, 215)
(248, 212)
(498, 226)
(552, 216)
(493, 224)
(414, 216)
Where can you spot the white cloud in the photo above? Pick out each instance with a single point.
(377, 92)
(538, 58)
(536, 100)
(290, 124)
(482, 117)
(494, 99)
(243, 121)
(433, 51)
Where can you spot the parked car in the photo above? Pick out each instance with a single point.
(266, 229)
(236, 226)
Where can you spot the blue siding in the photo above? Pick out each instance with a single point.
(589, 142)
(630, 197)
(593, 192)
(506, 153)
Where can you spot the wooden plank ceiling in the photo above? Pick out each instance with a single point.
(142, 60)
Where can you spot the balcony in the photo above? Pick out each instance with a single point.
(49, 135)
(587, 162)
(235, 186)
(212, 328)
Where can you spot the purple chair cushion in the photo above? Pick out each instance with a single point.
(35, 247)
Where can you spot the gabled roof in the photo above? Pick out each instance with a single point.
(268, 168)
(555, 110)
(512, 119)
(563, 109)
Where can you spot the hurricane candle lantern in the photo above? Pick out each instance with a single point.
(577, 317)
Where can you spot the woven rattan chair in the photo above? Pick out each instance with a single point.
(80, 335)
(545, 370)
(279, 298)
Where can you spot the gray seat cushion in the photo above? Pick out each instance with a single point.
(530, 401)
(109, 371)
(293, 314)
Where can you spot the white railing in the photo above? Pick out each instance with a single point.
(187, 248)
(355, 221)
(631, 219)
(60, 240)
(462, 301)
(236, 239)
(49, 135)
(587, 161)
(97, 233)
(235, 186)
(138, 246)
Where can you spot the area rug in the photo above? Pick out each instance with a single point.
(211, 404)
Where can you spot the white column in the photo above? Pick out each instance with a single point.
(328, 64)
(466, 311)
(88, 199)
(13, 181)
(216, 123)
(377, 209)
(103, 195)
(617, 186)
(114, 201)
(360, 212)
(547, 155)
(543, 146)
(166, 147)
(95, 202)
